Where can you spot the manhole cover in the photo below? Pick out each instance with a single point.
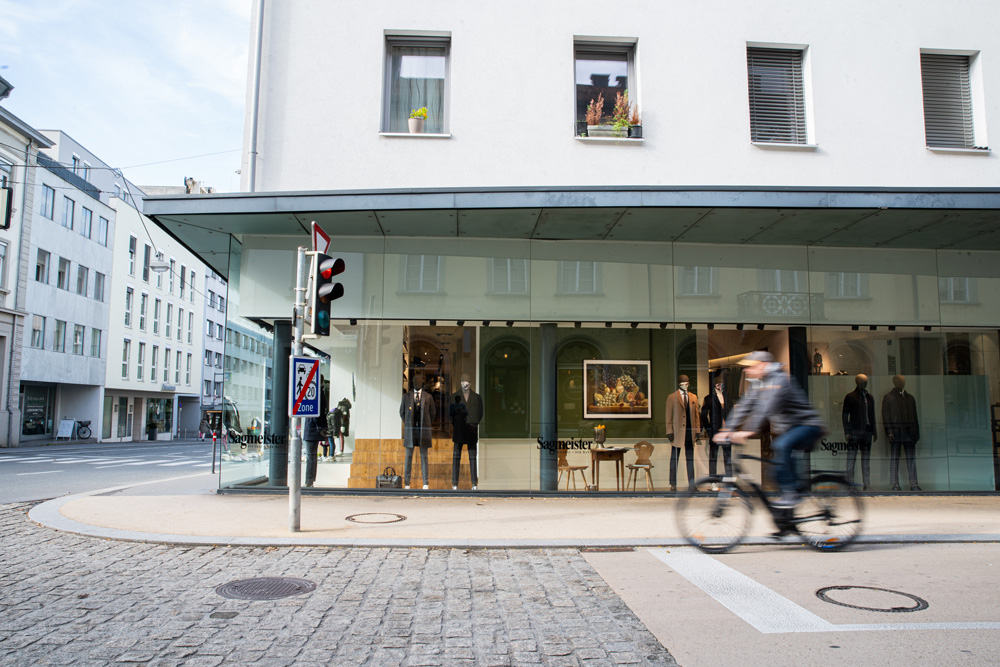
(883, 594)
(265, 588)
(376, 517)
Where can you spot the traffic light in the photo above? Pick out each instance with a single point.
(325, 291)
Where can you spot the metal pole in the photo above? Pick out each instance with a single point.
(295, 442)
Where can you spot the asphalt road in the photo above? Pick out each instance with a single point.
(36, 473)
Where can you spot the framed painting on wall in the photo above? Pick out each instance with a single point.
(616, 389)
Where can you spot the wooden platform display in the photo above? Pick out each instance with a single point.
(372, 455)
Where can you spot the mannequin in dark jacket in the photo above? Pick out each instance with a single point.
(417, 413)
(465, 411)
(899, 419)
(313, 431)
(713, 420)
(859, 429)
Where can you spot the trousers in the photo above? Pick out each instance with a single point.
(456, 463)
(713, 457)
(408, 464)
(911, 461)
(797, 438)
(863, 444)
(675, 453)
(310, 447)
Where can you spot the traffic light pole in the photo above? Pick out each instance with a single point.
(295, 442)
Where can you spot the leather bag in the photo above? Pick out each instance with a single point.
(389, 479)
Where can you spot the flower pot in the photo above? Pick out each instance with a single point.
(600, 435)
(605, 131)
(635, 132)
(581, 128)
(416, 125)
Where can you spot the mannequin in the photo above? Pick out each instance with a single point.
(817, 361)
(899, 419)
(859, 428)
(713, 413)
(417, 413)
(339, 424)
(466, 411)
(683, 422)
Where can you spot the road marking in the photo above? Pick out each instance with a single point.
(178, 463)
(767, 611)
(113, 465)
(87, 460)
(146, 463)
(40, 472)
(17, 458)
(201, 465)
(49, 460)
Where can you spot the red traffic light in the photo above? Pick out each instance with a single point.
(330, 267)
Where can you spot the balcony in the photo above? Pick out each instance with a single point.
(758, 306)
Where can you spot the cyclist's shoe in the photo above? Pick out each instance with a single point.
(715, 487)
(781, 533)
(788, 500)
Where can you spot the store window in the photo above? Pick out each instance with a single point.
(416, 77)
(38, 404)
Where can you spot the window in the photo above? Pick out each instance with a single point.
(190, 325)
(218, 360)
(38, 332)
(948, 117)
(156, 316)
(183, 277)
(78, 333)
(208, 387)
(3, 264)
(159, 274)
(95, 342)
(777, 101)
(152, 363)
(579, 278)
(59, 343)
(75, 161)
(781, 280)
(420, 273)
(48, 202)
(170, 283)
(118, 190)
(209, 328)
(218, 331)
(128, 306)
(957, 290)
(187, 372)
(42, 267)
(211, 299)
(143, 303)
(180, 322)
(416, 76)
(177, 368)
(140, 361)
(131, 255)
(170, 315)
(846, 285)
(86, 171)
(191, 291)
(145, 263)
(699, 281)
(218, 390)
(62, 277)
(222, 304)
(166, 365)
(508, 276)
(208, 358)
(69, 211)
(98, 285)
(82, 279)
(126, 353)
(102, 232)
(602, 69)
(87, 224)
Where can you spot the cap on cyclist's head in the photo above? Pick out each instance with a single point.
(758, 357)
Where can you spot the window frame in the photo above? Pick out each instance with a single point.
(140, 361)
(69, 212)
(126, 357)
(597, 46)
(40, 338)
(417, 40)
(48, 202)
(62, 277)
(42, 267)
(800, 122)
(95, 342)
(59, 337)
(973, 103)
(129, 298)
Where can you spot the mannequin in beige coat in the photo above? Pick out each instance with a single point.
(683, 426)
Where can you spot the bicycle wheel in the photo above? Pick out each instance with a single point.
(83, 432)
(714, 521)
(831, 515)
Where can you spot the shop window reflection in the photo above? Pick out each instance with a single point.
(421, 274)
(699, 281)
(579, 278)
(847, 285)
(507, 390)
(508, 276)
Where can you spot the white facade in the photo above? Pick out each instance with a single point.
(156, 323)
(510, 95)
(214, 318)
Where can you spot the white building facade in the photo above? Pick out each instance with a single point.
(814, 182)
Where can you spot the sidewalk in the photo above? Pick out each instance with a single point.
(187, 510)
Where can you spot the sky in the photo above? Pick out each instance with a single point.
(134, 81)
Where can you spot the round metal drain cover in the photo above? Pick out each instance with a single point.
(265, 588)
(376, 517)
(920, 603)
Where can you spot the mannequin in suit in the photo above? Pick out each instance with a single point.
(466, 411)
(683, 425)
(859, 429)
(713, 420)
(417, 413)
(899, 419)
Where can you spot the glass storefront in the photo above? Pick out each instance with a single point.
(571, 350)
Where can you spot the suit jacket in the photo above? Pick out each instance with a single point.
(418, 420)
(474, 406)
(677, 423)
(713, 413)
(899, 416)
(856, 422)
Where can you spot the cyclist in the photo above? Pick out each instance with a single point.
(774, 398)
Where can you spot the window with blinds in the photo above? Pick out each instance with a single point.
(777, 102)
(947, 101)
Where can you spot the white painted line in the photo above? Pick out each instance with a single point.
(753, 602)
(38, 461)
(83, 460)
(17, 458)
(98, 462)
(179, 463)
(41, 472)
(767, 611)
(114, 465)
(201, 465)
(146, 463)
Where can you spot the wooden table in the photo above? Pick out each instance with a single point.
(616, 454)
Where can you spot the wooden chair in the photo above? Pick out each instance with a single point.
(643, 450)
(564, 466)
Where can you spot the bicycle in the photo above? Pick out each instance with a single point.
(83, 429)
(829, 517)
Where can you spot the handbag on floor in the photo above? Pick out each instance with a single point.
(389, 479)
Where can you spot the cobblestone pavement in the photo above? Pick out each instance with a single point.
(71, 600)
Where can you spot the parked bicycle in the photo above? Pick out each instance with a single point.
(83, 429)
(715, 516)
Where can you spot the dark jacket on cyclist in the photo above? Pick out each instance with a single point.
(777, 400)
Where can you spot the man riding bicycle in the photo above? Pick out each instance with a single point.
(774, 398)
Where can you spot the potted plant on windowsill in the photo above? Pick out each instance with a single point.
(635, 123)
(416, 120)
(595, 112)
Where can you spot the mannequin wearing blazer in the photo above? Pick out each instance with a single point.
(713, 420)
(859, 429)
(682, 427)
(417, 413)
